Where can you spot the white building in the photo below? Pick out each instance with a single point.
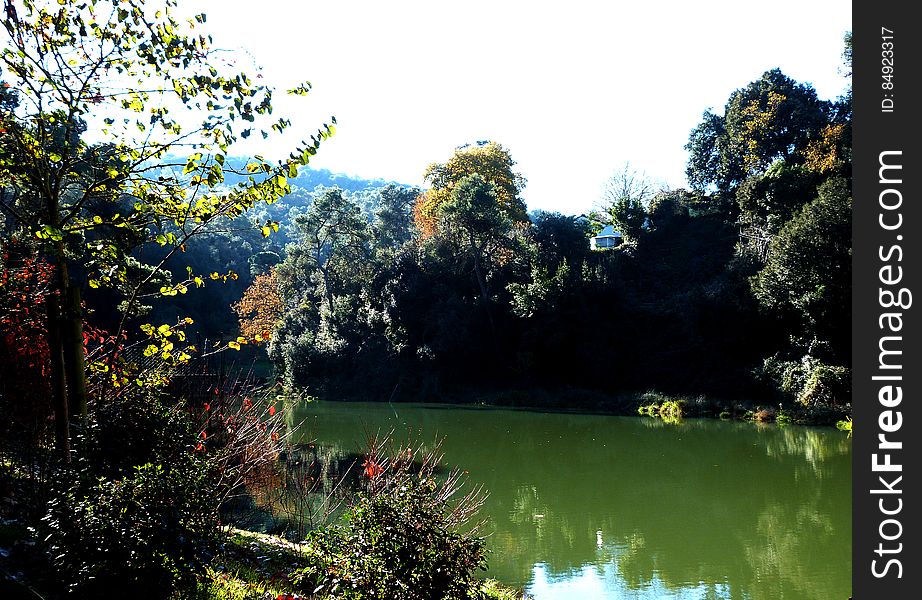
(607, 238)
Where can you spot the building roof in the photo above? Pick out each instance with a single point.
(608, 231)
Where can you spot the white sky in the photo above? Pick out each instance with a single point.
(573, 90)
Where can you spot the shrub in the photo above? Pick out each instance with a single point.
(845, 425)
(763, 415)
(809, 381)
(138, 508)
(788, 376)
(659, 405)
(672, 411)
(826, 385)
(148, 532)
(406, 538)
(132, 430)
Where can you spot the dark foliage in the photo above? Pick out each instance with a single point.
(137, 510)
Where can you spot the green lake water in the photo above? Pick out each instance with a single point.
(603, 507)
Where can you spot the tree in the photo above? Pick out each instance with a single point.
(670, 207)
(628, 183)
(629, 215)
(770, 119)
(25, 281)
(474, 221)
(807, 276)
(768, 200)
(393, 221)
(492, 163)
(261, 308)
(333, 242)
(560, 238)
(126, 67)
(625, 196)
(710, 161)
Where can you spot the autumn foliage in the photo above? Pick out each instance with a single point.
(425, 215)
(489, 160)
(25, 283)
(260, 308)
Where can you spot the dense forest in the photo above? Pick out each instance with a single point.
(130, 265)
(736, 288)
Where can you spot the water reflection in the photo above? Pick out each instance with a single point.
(588, 506)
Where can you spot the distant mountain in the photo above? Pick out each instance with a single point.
(309, 178)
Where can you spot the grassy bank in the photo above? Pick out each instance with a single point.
(255, 566)
(250, 566)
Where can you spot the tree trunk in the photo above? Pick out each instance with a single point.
(475, 254)
(484, 295)
(58, 385)
(72, 346)
(329, 296)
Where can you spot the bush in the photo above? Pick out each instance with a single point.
(148, 532)
(659, 405)
(406, 538)
(826, 386)
(129, 431)
(788, 376)
(809, 381)
(672, 411)
(138, 508)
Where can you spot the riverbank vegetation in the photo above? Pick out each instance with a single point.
(139, 252)
(142, 509)
(126, 443)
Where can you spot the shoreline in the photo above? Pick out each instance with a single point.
(628, 404)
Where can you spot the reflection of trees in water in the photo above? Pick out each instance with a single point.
(684, 505)
(311, 484)
(813, 445)
(785, 536)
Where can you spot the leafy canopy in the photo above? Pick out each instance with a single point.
(772, 118)
(128, 67)
(492, 163)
